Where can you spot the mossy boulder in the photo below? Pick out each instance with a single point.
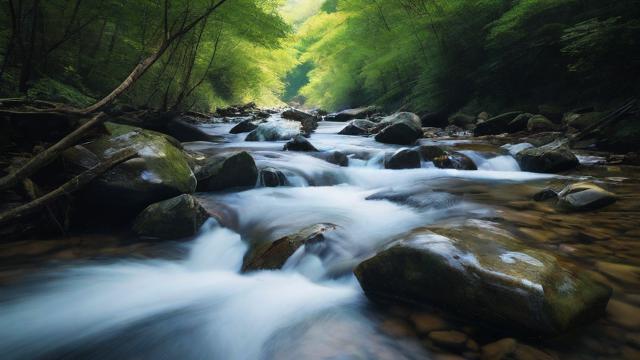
(160, 171)
(584, 196)
(519, 123)
(227, 170)
(273, 255)
(404, 159)
(350, 114)
(483, 272)
(539, 123)
(582, 121)
(175, 218)
(402, 128)
(551, 158)
(462, 120)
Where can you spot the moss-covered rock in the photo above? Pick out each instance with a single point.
(273, 256)
(175, 218)
(539, 123)
(584, 196)
(445, 158)
(227, 170)
(160, 172)
(481, 271)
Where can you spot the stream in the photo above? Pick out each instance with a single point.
(196, 304)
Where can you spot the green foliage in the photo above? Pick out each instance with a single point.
(91, 47)
(52, 90)
(435, 54)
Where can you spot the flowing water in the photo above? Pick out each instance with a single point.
(190, 300)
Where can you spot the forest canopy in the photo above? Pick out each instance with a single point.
(420, 55)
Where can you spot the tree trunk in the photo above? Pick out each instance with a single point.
(45, 157)
(67, 188)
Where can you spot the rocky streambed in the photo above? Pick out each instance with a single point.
(362, 236)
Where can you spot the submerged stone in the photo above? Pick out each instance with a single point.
(243, 126)
(445, 158)
(584, 196)
(271, 177)
(483, 272)
(275, 131)
(273, 256)
(176, 218)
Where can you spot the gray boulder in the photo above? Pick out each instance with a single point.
(584, 196)
(271, 177)
(551, 158)
(275, 131)
(404, 159)
(358, 127)
(228, 170)
(243, 126)
(496, 125)
(299, 143)
(401, 128)
(350, 114)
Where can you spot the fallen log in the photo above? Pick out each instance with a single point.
(67, 188)
(48, 155)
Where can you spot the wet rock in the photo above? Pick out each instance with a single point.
(358, 127)
(273, 256)
(160, 172)
(550, 158)
(243, 126)
(545, 194)
(296, 115)
(228, 170)
(401, 128)
(271, 177)
(275, 131)
(449, 339)
(404, 159)
(299, 143)
(539, 123)
(445, 158)
(186, 132)
(336, 158)
(581, 121)
(511, 349)
(462, 120)
(484, 272)
(624, 314)
(584, 196)
(397, 328)
(417, 197)
(176, 218)
(495, 125)
(552, 112)
(544, 138)
(350, 114)
(519, 123)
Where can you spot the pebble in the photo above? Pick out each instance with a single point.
(397, 328)
(426, 322)
(450, 339)
(620, 272)
(623, 314)
(510, 349)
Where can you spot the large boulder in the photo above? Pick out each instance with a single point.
(358, 127)
(496, 125)
(227, 170)
(160, 171)
(299, 143)
(581, 121)
(176, 218)
(444, 158)
(350, 114)
(481, 271)
(273, 255)
(334, 157)
(244, 126)
(275, 131)
(519, 123)
(551, 158)
(584, 196)
(404, 159)
(186, 132)
(401, 128)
